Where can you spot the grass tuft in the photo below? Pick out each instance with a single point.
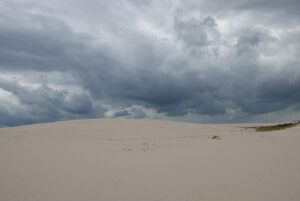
(215, 137)
(276, 127)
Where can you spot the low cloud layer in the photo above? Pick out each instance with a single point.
(226, 61)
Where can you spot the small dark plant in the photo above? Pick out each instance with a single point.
(215, 137)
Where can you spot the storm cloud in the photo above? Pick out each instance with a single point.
(201, 61)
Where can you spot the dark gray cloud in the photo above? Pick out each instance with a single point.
(213, 61)
(44, 104)
(263, 9)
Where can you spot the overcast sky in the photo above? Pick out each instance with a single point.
(190, 60)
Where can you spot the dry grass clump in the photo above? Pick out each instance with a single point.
(215, 137)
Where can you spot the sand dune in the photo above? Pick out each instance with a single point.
(145, 160)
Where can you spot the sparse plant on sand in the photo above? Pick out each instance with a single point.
(276, 127)
(215, 137)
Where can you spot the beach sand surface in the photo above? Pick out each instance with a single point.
(148, 160)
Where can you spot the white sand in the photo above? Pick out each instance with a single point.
(143, 160)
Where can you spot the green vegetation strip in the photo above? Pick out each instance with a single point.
(276, 127)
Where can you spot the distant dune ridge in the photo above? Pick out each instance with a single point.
(148, 160)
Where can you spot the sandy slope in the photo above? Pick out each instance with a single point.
(143, 160)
